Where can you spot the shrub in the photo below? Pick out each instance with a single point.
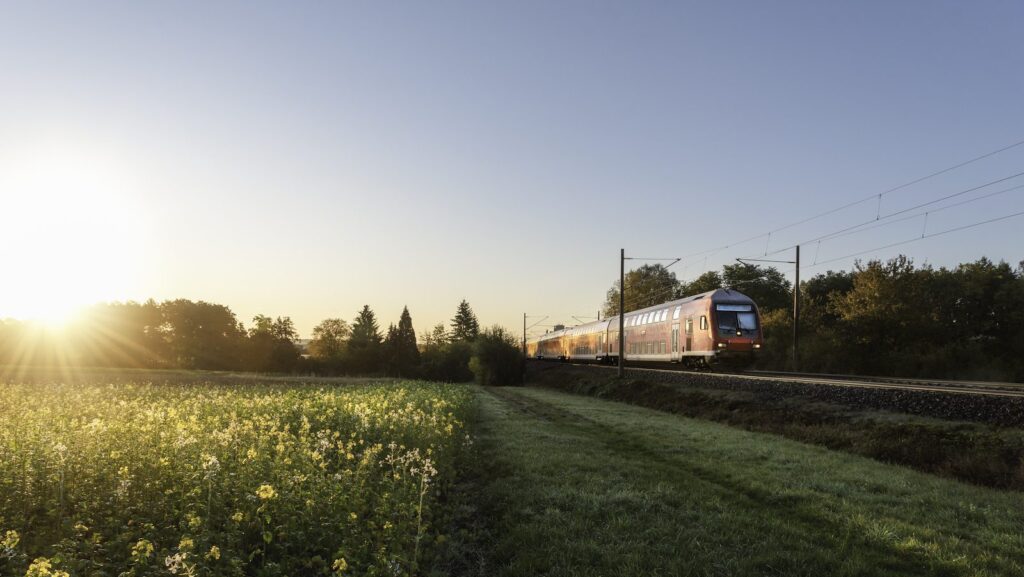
(497, 359)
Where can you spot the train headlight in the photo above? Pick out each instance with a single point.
(722, 345)
(757, 345)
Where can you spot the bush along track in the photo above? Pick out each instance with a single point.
(580, 486)
(841, 418)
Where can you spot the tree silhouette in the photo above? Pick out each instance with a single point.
(464, 325)
(330, 338)
(648, 285)
(708, 281)
(766, 285)
(365, 343)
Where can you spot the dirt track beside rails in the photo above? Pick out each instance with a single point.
(970, 437)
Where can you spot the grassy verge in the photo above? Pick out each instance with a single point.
(973, 452)
(577, 486)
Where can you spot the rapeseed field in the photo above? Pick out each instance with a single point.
(211, 478)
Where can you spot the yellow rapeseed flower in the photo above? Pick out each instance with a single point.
(266, 492)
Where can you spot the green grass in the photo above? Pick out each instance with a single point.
(975, 452)
(570, 485)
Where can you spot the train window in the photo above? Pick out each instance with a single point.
(689, 326)
(664, 315)
(703, 323)
(675, 314)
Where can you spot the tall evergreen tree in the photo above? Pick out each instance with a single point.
(408, 352)
(401, 353)
(465, 327)
(389, 350)
(365, 343)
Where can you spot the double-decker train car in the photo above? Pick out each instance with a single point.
(718, 326)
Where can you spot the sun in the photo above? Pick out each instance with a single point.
(72, 234)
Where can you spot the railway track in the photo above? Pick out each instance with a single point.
(986, 388)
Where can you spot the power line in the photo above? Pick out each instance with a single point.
(913, 216)
(876, 196)
(951, 168)
(922, 237)
(861, 226)
(876, 219)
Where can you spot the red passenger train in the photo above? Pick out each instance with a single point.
(706, 329)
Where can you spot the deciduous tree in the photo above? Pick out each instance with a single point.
(645, 286)
(330, 338)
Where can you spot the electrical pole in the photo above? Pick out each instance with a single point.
(796, 312)
(796, 300)
(524, 335)
(622, 311)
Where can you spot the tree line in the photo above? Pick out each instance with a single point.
(881, 318)
(185, 334)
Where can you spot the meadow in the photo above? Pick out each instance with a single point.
(572, 485)
(214, 478)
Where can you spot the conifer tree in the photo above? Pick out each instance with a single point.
(407, 339)
(365, 343)
(401, 352)
(464, 325)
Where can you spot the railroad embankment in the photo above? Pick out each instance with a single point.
(978, 439)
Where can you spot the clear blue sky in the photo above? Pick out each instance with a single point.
(305, 159)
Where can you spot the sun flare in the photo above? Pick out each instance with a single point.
(72, 235)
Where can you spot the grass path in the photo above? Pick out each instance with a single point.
(579, 486)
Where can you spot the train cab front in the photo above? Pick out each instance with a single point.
(737, 330)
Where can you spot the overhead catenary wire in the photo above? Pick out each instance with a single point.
(878, 217)
(863, 227)
(855, 227)
(877, 196)
(875, 225)
(915, 239)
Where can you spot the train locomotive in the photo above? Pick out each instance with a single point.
(714, 328)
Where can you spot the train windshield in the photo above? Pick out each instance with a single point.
(737, 320)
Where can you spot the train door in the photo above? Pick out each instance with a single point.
(689, 333)
(600, 345)
(675, 341)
